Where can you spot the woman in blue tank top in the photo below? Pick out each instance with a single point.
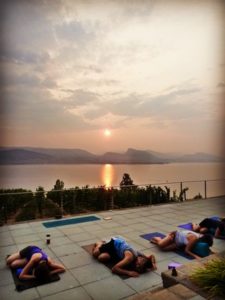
(32, 262)
(127, 260)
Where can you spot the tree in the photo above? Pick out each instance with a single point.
(59, 185)
(126, 180)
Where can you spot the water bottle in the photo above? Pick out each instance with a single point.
(48, 236)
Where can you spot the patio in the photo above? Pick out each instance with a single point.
(85, 278)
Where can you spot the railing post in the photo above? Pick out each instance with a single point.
(205, 186)
(181, 187)
(61, 202)
(150, 196)
(111, 204)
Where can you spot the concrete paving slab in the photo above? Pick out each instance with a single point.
(141, 283)
(29, 239)
(6, 277)
(8, 292)
(77, 293)
(75, 260)
(66, 282)
(84, 236)
(7, 241)
(91, 273)
(112, 288)
(21, 231)
(66, 249)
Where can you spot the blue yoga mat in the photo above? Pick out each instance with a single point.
(188, 226)
(151, 235)
(71, 221)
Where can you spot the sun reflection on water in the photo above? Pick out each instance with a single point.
(107, 175)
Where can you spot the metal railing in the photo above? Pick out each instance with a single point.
(76, 200)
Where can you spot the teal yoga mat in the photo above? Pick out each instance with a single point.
(70, 221)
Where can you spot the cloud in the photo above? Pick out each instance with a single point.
(73, 32)
(80, 97)
(23, 57)
(166, 105)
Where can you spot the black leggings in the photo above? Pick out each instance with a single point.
(110, 249)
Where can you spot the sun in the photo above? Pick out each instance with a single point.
(107, 132)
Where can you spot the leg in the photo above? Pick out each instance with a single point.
(15, 261)
(163, 242)
(170, 247)
(95, 250)
(104, 257)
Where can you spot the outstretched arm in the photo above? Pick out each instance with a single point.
(119, 268)
(188, 249)
(56, 267)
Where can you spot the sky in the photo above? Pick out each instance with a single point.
(151, 72)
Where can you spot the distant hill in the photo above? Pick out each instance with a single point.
(198, 157)
(29, 155)
(45, 156)
(131, 156)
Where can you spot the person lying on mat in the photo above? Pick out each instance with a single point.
(129, 261)
(211, 225)
(182, 239)
(34, 263)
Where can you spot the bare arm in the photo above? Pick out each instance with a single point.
(218, 234)
(56, 267)
(119, 267)
(191, 242)
(26, 270)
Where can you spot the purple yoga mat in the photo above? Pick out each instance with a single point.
(149, 236)
(187, 226)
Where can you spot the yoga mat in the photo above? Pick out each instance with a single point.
(22, 285)
(71, 221)
(151, 235)
(108, 264)
(187, 226)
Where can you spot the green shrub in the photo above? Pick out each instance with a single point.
(28, 212)
(211, 277)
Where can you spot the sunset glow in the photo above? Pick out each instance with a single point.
(107, 175)
(107, 133)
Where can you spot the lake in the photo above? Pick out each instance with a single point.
(32, 176)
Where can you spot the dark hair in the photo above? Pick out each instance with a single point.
(146, 265)
(206, 238)
(42, 271)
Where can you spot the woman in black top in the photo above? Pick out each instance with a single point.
(208, 224)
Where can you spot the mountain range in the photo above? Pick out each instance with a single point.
(30, 155)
